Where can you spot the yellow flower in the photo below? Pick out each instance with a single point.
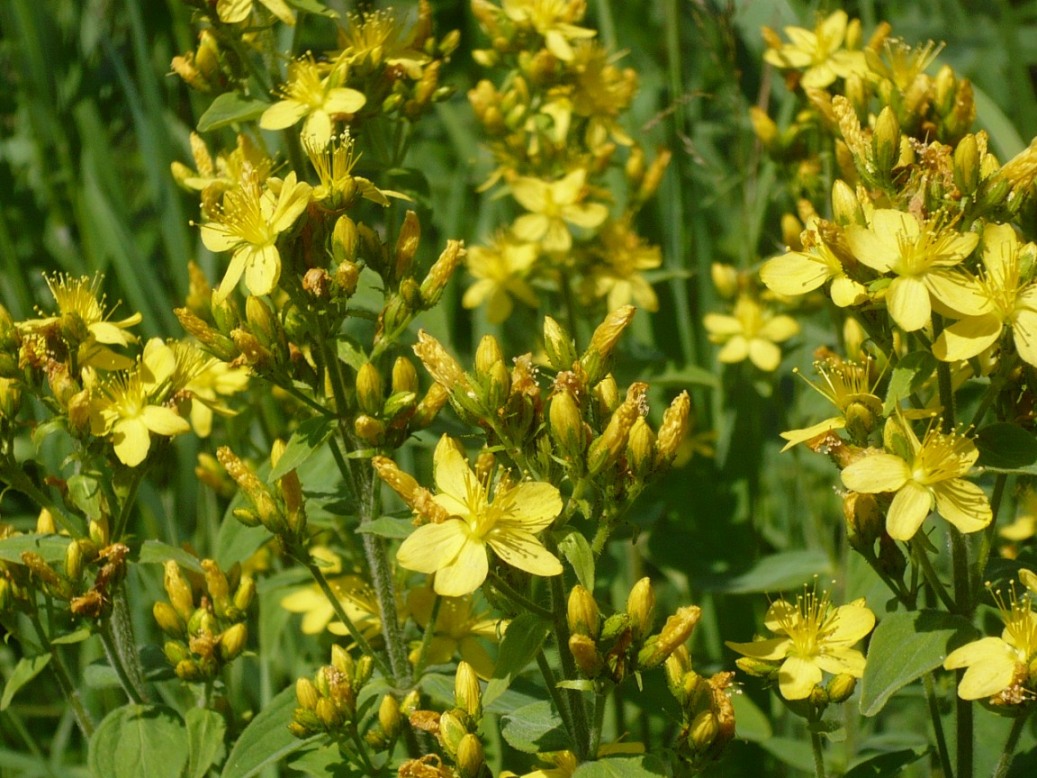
(1025, 525)
(204, 379)
(500, 270)
(752, 333)
(849, 387)
(617, 276)
(214, 177)
(84, 320)
(798, 272)
(1008, 300)
(376, 38)
(334, 162)
(818, 52)
(308, 95)
(456, 549)
(922, 257)
(458, 630)
(999, 667)
(130, 406)
(234, 11)
(248, 224)
(923, 475)
(813, 638)
(553, 19)
(552, 206)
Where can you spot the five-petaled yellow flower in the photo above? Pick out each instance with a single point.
(552, 206)
(456, 548)
(812, 638)
(553, 19)
(460, 630)
(308, 95)
(922, 256)
(750, 332)
(818, 52)
(999, 667)
(1008, 299)
(249, 223)
(822, 259)
(500, 271)
(850, 388)
(922, 475)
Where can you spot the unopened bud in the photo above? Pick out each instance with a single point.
(404, 376)
(45, 524)
(604, 340)
(566, 426)
(168, 619)
(703, 730)
(640, 448)
(232, 641)
(451, 731)
(641, 608)
(389, 716)
(467, 695)
(178, 590)
(886, 142)
(245, 593)
(470, 756)
(966, 165)
(586, 655)
(345, 239)
(673, 430)
(606, 392)
(764, 127)
(841, 687)
(370, 389)
(846, 208)
(440, 273)
(725, 279)
(306, 693)
(675, 632)
(558, 345)
(217, 586)
(406, 245)
(582, 612)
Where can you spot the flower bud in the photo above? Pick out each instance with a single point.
(558, 345)
(176, 652)
(725, 279)
(404, 376)
(467, 695)
(168, 619)
(342, 661)
(440, 273)
(406, 245)
(487, 355)
(846, 208)
(703, 730)
(217, 586)
(614, 625)
(864, 521)
(606, 392)
(451, 731)
(345, 239)
(369, 429)
(604, 340)
(640, 445)
(215, 342)
(470, 756)
(45, 524)
(606, 448)
(245, 593)
(566, 426)
(179, 591)
(306, 693)
(764, 128)
(675, 632)
(966, 165)
(886, 140)
(673, 430)
(586, 655)
(370, 389)
(841, 687)
(641, 608)
(582, 613)
(389, 716)
(232, 641)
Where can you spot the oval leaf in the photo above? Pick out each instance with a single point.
(205, 731)
(522, 641)
(577, 551)
(1007, 448)
(157, 552)
(533, 728)
(307, 438)
(904, 647)
(28, 667)
(138, 740)
(777, 572)
(230, 108)
(908, 376)
(51, 547)
(643, 766)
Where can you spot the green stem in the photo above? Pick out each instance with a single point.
(600, 698)
(919, 554)
(329, 593)
(819, 754)
(964, 723)
(128, 502)
(934, 715)
(556, 694)
(987, 540)
(361, 749)
(519, 599)
(57, 666)
(111, 650)
(1005, 761)
(581, 726)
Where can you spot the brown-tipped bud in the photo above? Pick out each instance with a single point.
(846, 207)
(345, 240)
(370, 389)
(232, 642)
(255, 353)
(470, 756)
(45, 524)
(841, 687)
(966, 165)
(582, 613)
(404, 376)
(675, 632)
(558, 345)
(346, 276)
(306, 694)
(169, 620)
(606, 393)
(605, 449)
(429, 407)
(640, 449)
(566, 426)
(764, 128)
(178, 590)
(218, 344)
(603, 341)
(406, 245)
(886, 140)
(441, 272)
(673, 430)
(641, 608)
(586, 655)
(451, 731)
(467, 694)
(217, 586)
(443, 367)
(317, 283)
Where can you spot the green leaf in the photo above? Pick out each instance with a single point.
(908, 376)
(535, 727)
(683, 376)
(906, 646)
(579, 684)
(577, 551)
(230, 108)
(77, 636)
(85, 493)
(157, 552)
(521, 643)
(642, 766)
(388, 527)
(307, 438)
(778, 572)
(886, 764)
(266, 740)
(753, 723)
(350, 352)
(325, 761)
(28, 667)
(51, 547)
(137, 740)
(205, 747)
(313, 7)
(1007, 448)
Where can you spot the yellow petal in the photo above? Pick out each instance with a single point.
(772, 649)
(231, 277)
(991, 667)
(794, 273)
(764, 354)
(164, 421)
(453, 477)
(465, 574)
(1024, 335)
(522, 550)
(779, 329)
(587, 215)
(218, 237)
(908, 510)
(532, 505)
(797, 678)
(966, 338)
(847, 660)
(958, 291)
(876, 473)
(531, 193)
(262, 268)
(432, 546)
(849, 623)
(809, 433)
(282, 114)
(233, 11)
(131, 441)
(963, 504)
(530, 227)
(908, 302)
(736, 350)
(344, 100)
